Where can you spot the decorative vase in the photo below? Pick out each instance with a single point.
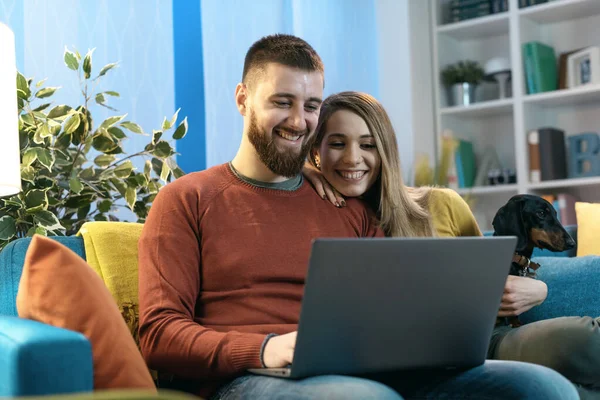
(461, 94)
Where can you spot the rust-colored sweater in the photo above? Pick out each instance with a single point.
(222, 264)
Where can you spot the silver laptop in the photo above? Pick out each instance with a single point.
(375, 305)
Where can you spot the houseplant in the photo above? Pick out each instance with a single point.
(73, 169)
(461, 80)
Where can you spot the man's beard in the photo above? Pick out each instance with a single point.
(283, 163)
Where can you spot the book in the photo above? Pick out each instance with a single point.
(533, 146)
(552, 148)
(563, 69)
(540, 67)
(566, 208)
(464, 158)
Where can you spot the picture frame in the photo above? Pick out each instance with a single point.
(583, 67)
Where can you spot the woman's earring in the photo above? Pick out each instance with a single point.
(317, 162)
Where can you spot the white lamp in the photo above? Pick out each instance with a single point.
(10, 159)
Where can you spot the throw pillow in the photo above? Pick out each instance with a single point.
(58, 288)
(588, 228)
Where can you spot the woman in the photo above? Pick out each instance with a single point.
(356, 152)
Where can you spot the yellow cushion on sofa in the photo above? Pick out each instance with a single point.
(588, 228)
(111, 249)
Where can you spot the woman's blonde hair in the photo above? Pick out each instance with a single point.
(402, 211)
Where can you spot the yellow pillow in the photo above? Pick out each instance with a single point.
(588, 228)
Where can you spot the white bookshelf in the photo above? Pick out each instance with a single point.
(503, 123)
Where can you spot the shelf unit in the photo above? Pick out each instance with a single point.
(503, 123)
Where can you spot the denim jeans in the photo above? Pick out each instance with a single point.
(492, 380)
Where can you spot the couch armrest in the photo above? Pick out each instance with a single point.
(39, 359)
(572, 288)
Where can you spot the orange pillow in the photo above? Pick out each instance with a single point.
(59, 288)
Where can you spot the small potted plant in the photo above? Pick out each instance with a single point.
(461, 80)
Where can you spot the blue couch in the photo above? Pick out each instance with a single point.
(37, 359)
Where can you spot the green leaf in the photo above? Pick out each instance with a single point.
(28, 174)
(46, 92)
(36, 198)
(29, 157)
(104, 144)
(42, 107)
(132, 126)
(178, 173)
(163, 149)
(87, 64)
(77, 201)
(104, 206)
(181, 130)
(23, 90)
(83, 212)
(104, 160)
(119, 185)
(72, 123)
(112, 93)
(45, 157)
(156, 135)
(47, 220)
(41, 133)
(59, 111)
(63, 141)
(8, 227)
(87, 173)
(107, 68)
(100, 98)
(110, 121)
(174, 118)
(124, 169)
(71, 60)
(40, 83)
(116, 133)
(153, 187)
(164, 173)
(130, 196)
(147, 169)
(36, 230)
(75, 185)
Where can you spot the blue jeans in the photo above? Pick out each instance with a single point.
(492, 380)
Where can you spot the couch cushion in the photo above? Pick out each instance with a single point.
(572, 288)
(588, 219)
(12, 259)
(58, 288)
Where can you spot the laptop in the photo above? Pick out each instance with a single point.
(388, 304)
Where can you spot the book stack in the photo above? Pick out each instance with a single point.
(540, 67)
(461, 10)
(527, 3)
(547, 154)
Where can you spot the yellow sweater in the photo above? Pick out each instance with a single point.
(451, 215)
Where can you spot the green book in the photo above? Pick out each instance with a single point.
(540, 67)
(464, 158)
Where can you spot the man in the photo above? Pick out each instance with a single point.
(224, 253)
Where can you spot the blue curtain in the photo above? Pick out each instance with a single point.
(343, 32)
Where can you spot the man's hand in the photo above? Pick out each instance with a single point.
(521, 294)
(279, 350)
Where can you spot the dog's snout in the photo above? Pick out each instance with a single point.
(569, 242)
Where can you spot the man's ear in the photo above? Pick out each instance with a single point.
(241, 97)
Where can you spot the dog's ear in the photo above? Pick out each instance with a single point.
(509, 222)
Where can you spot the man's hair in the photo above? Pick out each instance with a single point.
(282, 49)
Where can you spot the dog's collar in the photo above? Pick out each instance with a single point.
(524, 262)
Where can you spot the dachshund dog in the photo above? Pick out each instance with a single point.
(534, 222)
